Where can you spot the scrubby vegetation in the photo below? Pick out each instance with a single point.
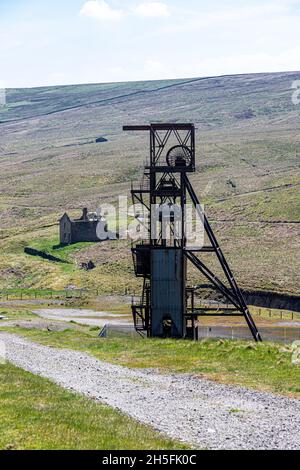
(247, 134)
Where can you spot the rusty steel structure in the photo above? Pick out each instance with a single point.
(167, 307)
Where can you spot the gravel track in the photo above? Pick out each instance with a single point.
(83, 316)
(200, 412)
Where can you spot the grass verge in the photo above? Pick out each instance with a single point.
(264, 366)
(37, 414)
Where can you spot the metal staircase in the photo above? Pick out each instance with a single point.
(140, 310)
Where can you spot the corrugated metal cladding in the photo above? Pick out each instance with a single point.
(167, 291)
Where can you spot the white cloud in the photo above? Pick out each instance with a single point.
(100, 10)
(152, 9)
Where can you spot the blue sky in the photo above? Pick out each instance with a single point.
(77, 41)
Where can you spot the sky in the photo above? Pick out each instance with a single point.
(61, 42)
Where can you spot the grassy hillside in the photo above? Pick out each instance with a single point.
(247, 173)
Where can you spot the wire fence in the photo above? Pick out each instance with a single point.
(31, 294)
(40, 294)
(280, 334)
(119, 331)
(279, 314)
(34, 294)
(272, 334)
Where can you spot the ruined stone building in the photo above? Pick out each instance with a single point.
(84, 229)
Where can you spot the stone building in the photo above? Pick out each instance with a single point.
(85, 229)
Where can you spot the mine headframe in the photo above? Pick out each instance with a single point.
(167, 307)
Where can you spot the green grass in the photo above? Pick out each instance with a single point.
(263, 366)
(37, 414)
(12, 314)
(53, 247)
(21, 271)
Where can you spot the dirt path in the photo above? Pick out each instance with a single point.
(200, 412)
(83, 316)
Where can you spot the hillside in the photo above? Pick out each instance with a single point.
(248, 171)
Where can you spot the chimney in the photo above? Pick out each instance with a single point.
(85, 214)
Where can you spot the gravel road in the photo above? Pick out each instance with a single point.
(195, 410)
(83, 316)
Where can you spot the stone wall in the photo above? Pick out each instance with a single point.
(84, 232)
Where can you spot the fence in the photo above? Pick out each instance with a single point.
(40, 294)
(272, 313)
(119, 331)
(26, 294)
(69, 294)
(30, 294)
(273, 334)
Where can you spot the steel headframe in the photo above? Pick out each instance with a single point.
(156, 173)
